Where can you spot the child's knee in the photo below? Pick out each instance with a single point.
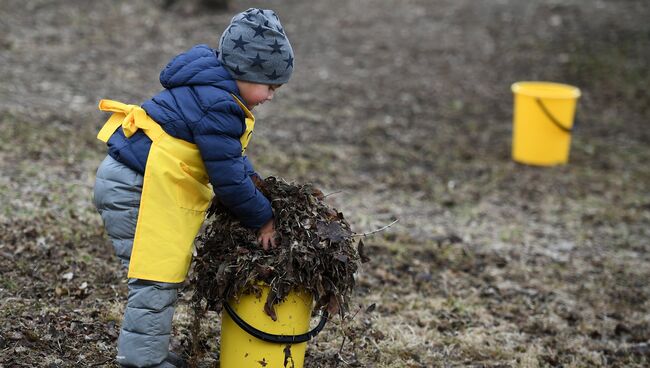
(155, 296)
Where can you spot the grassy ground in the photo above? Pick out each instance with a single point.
(404, 107)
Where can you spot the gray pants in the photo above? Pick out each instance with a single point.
(146, 328)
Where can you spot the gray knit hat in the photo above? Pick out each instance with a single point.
(254, 48)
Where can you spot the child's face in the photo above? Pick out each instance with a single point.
(255, 93)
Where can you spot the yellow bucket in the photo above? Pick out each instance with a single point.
(542, 122)
(250, 338)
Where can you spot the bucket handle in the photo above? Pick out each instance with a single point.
(551, 117)
(277, 339)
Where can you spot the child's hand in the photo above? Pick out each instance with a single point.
(266, 235)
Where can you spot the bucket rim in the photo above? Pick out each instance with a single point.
(569, 91)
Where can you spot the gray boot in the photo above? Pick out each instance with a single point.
(176, 360)
(172, 361)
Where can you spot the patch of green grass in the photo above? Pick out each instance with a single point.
(8, 284)
(513, 234)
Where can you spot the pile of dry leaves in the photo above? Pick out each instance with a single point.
(315, 252)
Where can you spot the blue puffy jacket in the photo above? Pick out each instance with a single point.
(197, 106)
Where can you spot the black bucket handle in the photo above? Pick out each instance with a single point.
(551, 117)
(277, 339)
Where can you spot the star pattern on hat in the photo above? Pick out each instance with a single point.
(257, 61)
(238, 72)
(289, 62)
(259, 31)
(276, 47)
(272, 76)
(248, 16)
(240, 43)
(280, 29)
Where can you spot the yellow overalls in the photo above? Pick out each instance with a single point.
(175, 194)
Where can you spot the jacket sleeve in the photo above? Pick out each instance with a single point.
(217, 137)
(250, 171)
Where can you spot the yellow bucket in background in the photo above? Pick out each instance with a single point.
(542, 122)
(245, 327)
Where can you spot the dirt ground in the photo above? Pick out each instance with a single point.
(402, 107)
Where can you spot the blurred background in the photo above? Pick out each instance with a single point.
(404, 109)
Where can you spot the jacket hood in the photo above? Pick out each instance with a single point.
(198, 66)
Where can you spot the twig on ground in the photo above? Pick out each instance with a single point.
(378, 230)
(340, 359)
(338, 355)
(329, 194)
(341, 347)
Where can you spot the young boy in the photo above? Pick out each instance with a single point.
(167, 157)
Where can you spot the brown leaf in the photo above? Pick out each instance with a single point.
(268, 305)
(259, 183)
(371, 308)
(341, 257)
(332, 215)
(318, 194)
(362, 255)
(265, 271)
(270, 311)
(31, 335)
(287, 356)
(333, 306)
(332, 231)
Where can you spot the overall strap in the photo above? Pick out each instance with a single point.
(131, 118)
(249, 122)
